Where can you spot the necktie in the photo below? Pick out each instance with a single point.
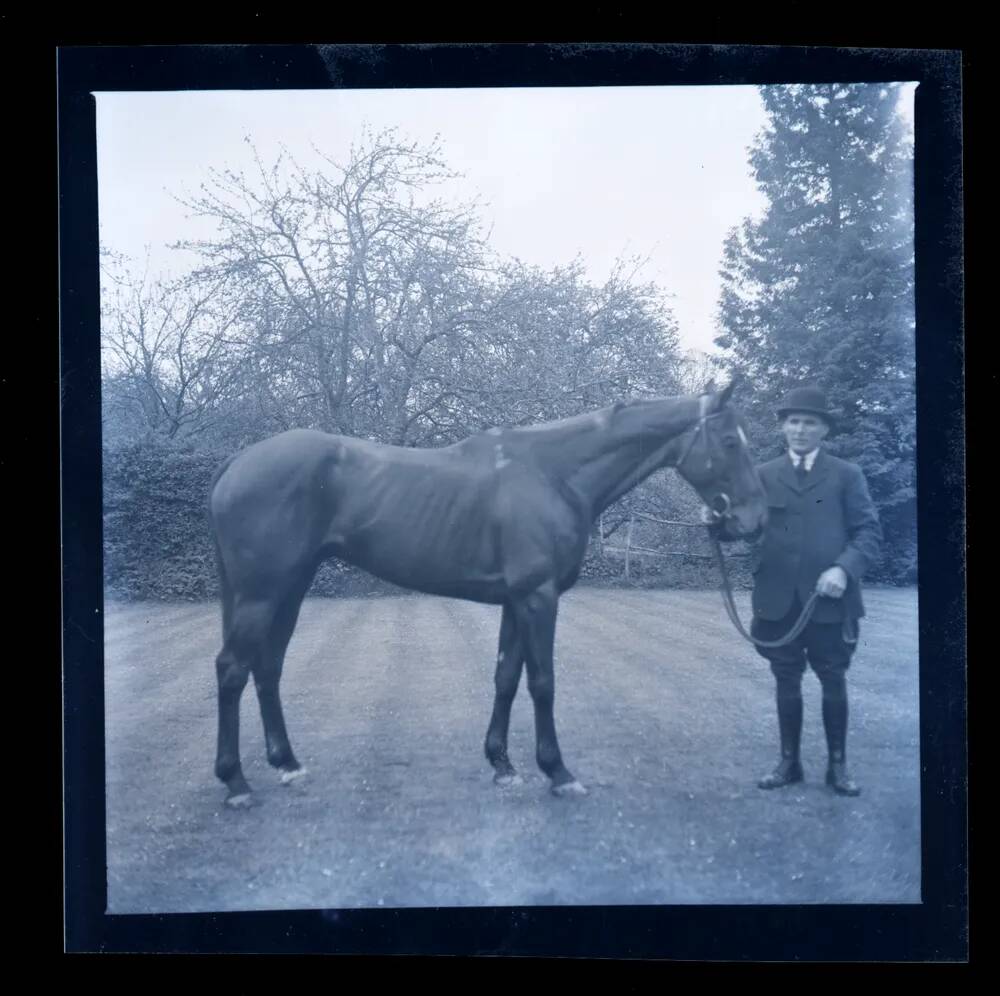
(800, 471)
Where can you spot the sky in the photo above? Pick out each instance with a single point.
(659, 173)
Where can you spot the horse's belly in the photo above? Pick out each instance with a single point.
(433, 574)
(457, 562)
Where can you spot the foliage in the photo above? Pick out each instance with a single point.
(157, 542)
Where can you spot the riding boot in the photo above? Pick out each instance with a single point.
(789, 769)
(835, 724)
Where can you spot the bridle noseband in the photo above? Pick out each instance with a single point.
(701, 429)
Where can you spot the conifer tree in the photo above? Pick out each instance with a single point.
(820, 289)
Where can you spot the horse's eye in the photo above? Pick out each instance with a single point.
(730, 442)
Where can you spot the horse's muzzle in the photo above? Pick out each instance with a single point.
(745, 522)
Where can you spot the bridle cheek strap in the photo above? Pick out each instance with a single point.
(703, 404)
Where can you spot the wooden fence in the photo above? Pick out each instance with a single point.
(629, 549)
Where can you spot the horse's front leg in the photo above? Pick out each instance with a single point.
(510, 661)
(536, 623)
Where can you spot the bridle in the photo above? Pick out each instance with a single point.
(701, 429)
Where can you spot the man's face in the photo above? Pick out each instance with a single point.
(804, 432)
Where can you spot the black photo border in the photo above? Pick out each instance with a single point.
(935, 929)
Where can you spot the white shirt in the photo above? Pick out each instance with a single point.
(810, 458)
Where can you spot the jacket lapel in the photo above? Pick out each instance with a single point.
(820, 471)
(787, 476)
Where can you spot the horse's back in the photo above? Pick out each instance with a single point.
(463, 520)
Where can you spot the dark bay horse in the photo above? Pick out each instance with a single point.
(502, 517)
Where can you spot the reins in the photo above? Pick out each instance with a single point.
(849, 634)
(727, 600)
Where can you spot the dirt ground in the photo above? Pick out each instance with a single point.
(662, 711)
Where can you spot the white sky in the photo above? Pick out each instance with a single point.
(658, 172)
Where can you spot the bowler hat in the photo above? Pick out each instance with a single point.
(806, 399)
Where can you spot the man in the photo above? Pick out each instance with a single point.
(822, 534)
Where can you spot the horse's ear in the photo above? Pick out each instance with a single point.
(723, 396)
(709, 387)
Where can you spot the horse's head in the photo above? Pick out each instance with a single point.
(715, 460)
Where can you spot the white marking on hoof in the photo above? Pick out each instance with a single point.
(287, 777)
(242, 801)
(508, 781)
(569, 788)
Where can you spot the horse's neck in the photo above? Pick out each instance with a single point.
(638, 440)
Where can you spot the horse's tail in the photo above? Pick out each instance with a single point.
(225, 589)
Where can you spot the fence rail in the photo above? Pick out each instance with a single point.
(629, 549)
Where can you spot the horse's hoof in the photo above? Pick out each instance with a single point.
(508, 781)
(242, 801)
(287, 777)
(569, 788)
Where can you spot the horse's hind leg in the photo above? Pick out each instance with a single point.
(246, 627)
(510, 661)
(267, 677)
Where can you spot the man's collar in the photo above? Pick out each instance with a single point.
(810, 458)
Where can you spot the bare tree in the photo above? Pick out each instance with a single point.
(697, 370)
(348, 298)
(353, 278)
(167, 361)
(558, 345)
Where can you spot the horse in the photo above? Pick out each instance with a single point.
(502, 517)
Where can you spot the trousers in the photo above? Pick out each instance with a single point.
(820, 645)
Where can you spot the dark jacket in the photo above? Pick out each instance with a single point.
(830, 520)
